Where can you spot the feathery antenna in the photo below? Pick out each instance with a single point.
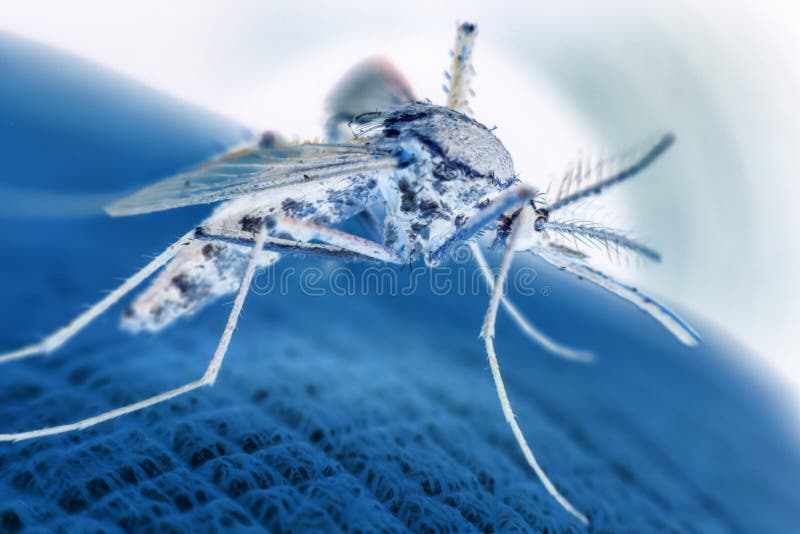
(605, 237)
(602, 181)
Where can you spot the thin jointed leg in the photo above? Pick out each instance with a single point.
(512, 198)
(207, 379)
(519, 436)
(668, 318)
(63, 334)
(524, 325)
(306, 231)
(276, 244)
(487, 333)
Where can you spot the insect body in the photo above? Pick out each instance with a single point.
(439, 176)
(434, 181)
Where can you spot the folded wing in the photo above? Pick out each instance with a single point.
(251, 170)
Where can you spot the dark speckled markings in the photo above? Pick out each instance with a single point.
(408, 196)
(249, 223)
(212, 250)
(184, 284)
(442, 176)
(297, 208)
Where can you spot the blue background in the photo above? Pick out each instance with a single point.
(356, 413)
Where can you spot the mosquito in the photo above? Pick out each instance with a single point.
(437, 176)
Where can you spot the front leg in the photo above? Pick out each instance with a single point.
(512, 198)
(487, 333)
(509, 199)
(526, 326)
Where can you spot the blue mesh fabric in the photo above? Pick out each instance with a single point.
(344, 413)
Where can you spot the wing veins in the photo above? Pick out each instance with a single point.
(219, 179)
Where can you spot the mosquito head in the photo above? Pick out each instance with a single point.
(542, 218)
(541, 214)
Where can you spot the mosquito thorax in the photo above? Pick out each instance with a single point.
(449, 168)
(457, 146)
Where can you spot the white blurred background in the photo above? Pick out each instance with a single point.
(555, 77)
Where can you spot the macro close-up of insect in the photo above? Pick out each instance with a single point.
(421, 178)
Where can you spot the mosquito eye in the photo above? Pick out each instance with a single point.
(539, 224)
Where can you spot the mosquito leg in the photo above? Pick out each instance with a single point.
(511, 198)
(274, 244)
(307, 231)
(524, 325)
(487, 333)
(63, 334)
(507, 200)
(668, 319)
(208, 378)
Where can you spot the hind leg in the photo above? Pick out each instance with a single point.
(208, 378)
(63, 334)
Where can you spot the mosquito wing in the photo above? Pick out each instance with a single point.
(254, 169)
